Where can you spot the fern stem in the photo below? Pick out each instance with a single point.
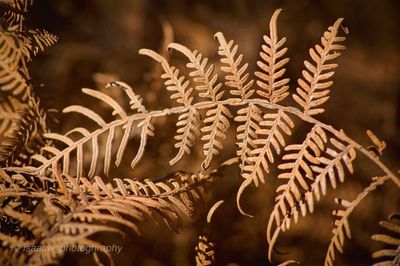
(233, 102)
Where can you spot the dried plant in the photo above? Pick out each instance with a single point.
(390, 256)
(50, 190)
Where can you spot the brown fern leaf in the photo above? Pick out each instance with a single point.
(189, 122)
(391, 255)
(9, 258)
(136, 102)
(273, 87)
(183, 190)
(249, 118)
(237, 78)
(270, 134)
(276, 91)
(338, 158)
(24, 141)
(216, 121)
(174, 83)
(188, 130)
(19, 198)
(147, 129)
(12, 5)
(313, 87)
(205, 246)
(20, 183)
(9, 109)
(341, 225)
(204, 252)
(16, 11)
(332, 166)
(273, 127)
(25, 222)
(13, 144)
(11, 252)
(81, 208)
(34, 41)
(52, 156)
(298, 163)
(12, 80)
(216, 125)
(202, 73)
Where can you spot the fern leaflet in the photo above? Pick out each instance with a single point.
(313, 87)
(273, 87)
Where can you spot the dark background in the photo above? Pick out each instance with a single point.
(104, 36)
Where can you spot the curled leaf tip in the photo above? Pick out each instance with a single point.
(242, 187)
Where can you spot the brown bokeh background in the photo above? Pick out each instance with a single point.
(101, 36)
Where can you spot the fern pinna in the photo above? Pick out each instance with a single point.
(63, 177)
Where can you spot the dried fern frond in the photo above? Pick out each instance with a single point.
(75, 146)
(216, 121)
(13, 143)
(180, 189)
(174, 83)
(309, 167)
(313, 87)
(34, 41)
(19, 145)
(12, 80)
(20, 183)
(255, 150)
(297, 163)
(391, 255)
(10, 254)
(270, 133)
(188, 130)
(341, 224)
(248, 118)
(236, 78)
(204, 252)
(252, 155)
(189, 122)
(78, 209)
(273, 86)
(9, 109)
(332, 166)
(56, 199)
(126, 204)
(205, 246)
(214, 131)
(12, 5)
(202, 73)
(16, 11)
(147, 129)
